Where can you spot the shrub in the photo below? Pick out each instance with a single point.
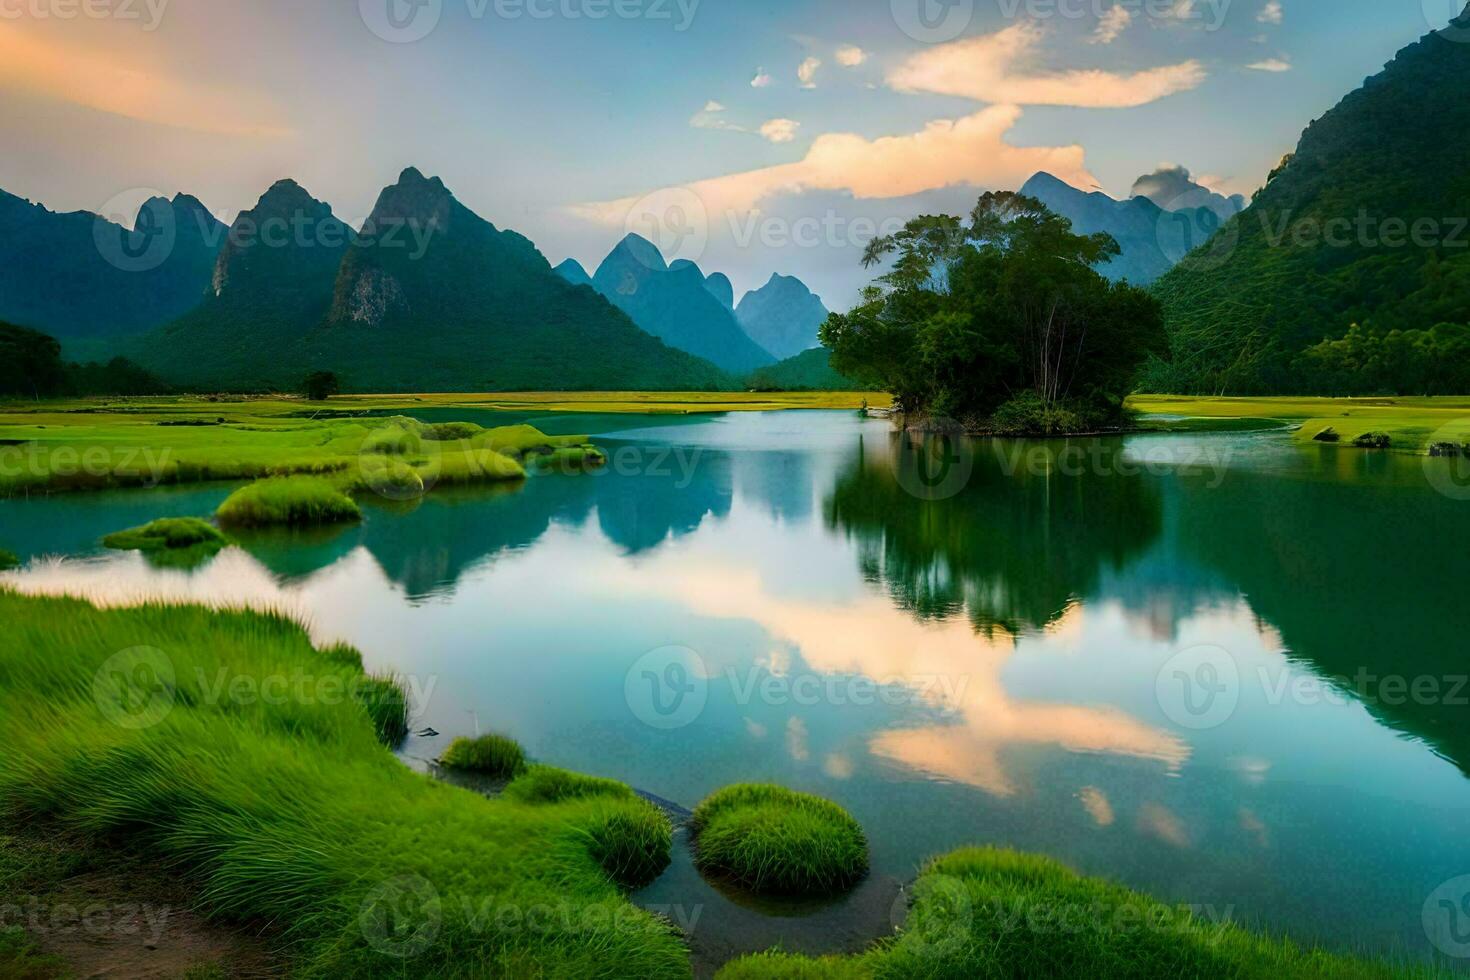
(1028, 415)
(294, 500)
(632, 844)
(8, 560)
(170, 533)
(488, 755)
(547, 784)
(451, 431)
(1373, 440)
(1328, 434)
(771, 839)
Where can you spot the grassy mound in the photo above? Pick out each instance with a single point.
(547, 784)
(168, 533)
(632, 842)
(8, 560)
(982, 912)
(294, 501)
(774, 840)
(488, 755)
(289, 810)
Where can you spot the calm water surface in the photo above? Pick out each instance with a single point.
(1224, 669)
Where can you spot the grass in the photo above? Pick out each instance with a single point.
(987, 913)
(547, 784)
(1412, 424)
(289, 811)
(489, 755)
(773, 840)
(169, 533)
(296, 501)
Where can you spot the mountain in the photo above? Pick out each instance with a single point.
(676, 305)
(436, 298)
(1357, 226)
(783, 316)
(271, 284)
(717, 283)
(808, 371)
(1173, 189)
(571, 270)
(82, 278)
(1152, 239)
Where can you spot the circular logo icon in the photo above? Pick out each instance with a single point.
(401, 21)
(933, 21)
(667, 688)
(675, 220)
(935, 465)
(1192, 234)
(1444, 17)
(402, 917)
(1447, 466)
(397, 463)
(949, 915)
(1199, 688)
(134, 689)
(136, 230)
(1447, 917)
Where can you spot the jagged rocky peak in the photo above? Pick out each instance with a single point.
(415, 199)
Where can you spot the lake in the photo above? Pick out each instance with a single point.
(1227, 669)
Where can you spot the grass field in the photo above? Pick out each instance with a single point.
(1413, 423)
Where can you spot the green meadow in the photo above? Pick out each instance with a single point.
(1412, 423)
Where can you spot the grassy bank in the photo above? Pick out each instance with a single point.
(287, 810)
(150, 442)
(1412, 423)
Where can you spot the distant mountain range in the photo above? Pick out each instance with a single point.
(1152, 238)
(783, 316)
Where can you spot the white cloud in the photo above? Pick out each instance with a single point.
(968, 151)
(712, 117)
(1271, 64)
(713, 106)
(780, 130)
(850, 56)
(1111, 25)
(994, 68)
(808, 72)
(1271, 13)
(761, 79)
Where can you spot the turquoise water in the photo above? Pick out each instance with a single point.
(1224, 668)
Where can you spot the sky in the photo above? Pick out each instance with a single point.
(753, 136)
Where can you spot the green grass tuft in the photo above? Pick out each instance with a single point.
(294, 501)
(386, 702)
(393, 440)
(633, 843)
(773, 840)
(488, 755)
(547, 784)
(168, 533)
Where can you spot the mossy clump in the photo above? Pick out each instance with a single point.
(633, 844)
(489, 755)
(291, 501)
(8, 560)
(776, 841)
(548, 784)
(1373, 440)
(168, 534)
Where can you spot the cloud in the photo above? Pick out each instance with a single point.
(807, 73)
(712, 117)
(761, 79)
(1271, 13)
(1112, 24)
(1172, 188)
(100, 82)
(967, 151)
(713, 106)
(1271, 64)
(993, 68)
(780, 130)
(850, 56)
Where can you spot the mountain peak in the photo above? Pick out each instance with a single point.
(643, 250)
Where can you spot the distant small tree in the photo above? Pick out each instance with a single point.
(321, 385)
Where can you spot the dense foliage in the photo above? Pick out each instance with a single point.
(1365, 224)
(1370, 362)
(808, 371)
(973, 316)
(31, 367)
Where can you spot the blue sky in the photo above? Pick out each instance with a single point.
(558, 117)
